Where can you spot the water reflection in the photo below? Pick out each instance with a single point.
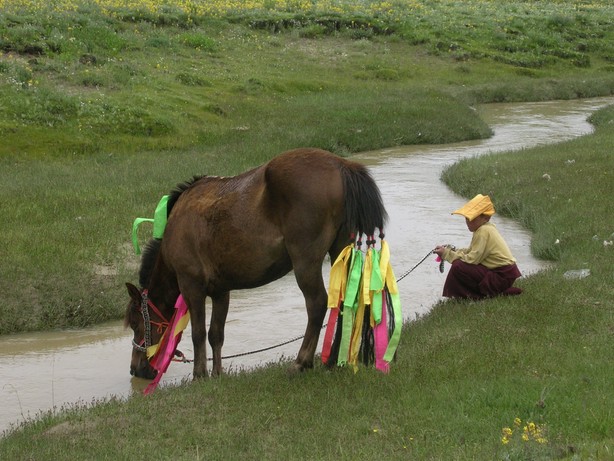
(47, 370)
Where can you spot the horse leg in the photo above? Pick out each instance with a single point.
(195, 298)
(311, 283)
(216, 330)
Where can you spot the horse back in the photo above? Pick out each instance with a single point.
(248, 230)
(304, 188)
(323, 186)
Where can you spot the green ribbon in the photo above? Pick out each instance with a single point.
(353, 284)
(396, 334)
(376, 285)
(159, 223)
(350, 305)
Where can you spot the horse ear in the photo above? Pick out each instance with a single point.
(134, 292)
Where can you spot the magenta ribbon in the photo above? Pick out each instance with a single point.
(380, 337)
(168, 345)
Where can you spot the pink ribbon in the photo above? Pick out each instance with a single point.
(380, 337)
(168, 345)
(330, 332)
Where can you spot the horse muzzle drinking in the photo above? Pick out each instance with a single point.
(140, 367)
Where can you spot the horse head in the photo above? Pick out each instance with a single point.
(148, 325)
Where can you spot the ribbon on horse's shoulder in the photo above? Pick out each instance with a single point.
(164, 351)
(159, 223)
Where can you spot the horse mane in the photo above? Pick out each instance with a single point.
(152, 249)
(176, 193)
(148, 261)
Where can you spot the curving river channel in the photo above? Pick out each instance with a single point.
(46, 371)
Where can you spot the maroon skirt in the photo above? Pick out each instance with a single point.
(475, 281)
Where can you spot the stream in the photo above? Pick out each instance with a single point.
(47, 371)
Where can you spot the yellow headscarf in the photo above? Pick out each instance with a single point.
(478, 205)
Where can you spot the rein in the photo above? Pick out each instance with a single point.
(146, 303)
(420, 262)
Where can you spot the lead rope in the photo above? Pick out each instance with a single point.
(182, 358)
(421, 261)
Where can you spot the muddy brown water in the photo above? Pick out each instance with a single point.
(47, 371)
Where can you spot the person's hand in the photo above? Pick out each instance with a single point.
(439, 250)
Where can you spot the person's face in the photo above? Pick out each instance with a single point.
(476, 223)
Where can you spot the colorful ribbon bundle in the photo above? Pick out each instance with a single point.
(161, 354)
(365, 315)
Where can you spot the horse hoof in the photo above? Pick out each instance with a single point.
(217, 374)
(200, 375)
(295, 369)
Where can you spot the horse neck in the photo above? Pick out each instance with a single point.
(163, 289)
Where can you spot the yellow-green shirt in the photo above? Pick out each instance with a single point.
(487, 247)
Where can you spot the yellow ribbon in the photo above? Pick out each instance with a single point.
(182, 324)
(338, 277)
(366, 277)
(356, 339)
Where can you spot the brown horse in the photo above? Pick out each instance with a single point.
(245, 231)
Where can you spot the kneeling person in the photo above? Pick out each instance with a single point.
(485, 269)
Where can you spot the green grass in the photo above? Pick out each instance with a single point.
(101, 114)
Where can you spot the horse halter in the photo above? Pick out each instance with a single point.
(146, 303)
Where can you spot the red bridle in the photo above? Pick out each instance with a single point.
(147, 304)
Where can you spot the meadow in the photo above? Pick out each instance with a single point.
(106, 105)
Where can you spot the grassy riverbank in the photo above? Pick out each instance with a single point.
(517, 378)
(466, 371)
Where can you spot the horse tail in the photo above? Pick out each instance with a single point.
(364, 207)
